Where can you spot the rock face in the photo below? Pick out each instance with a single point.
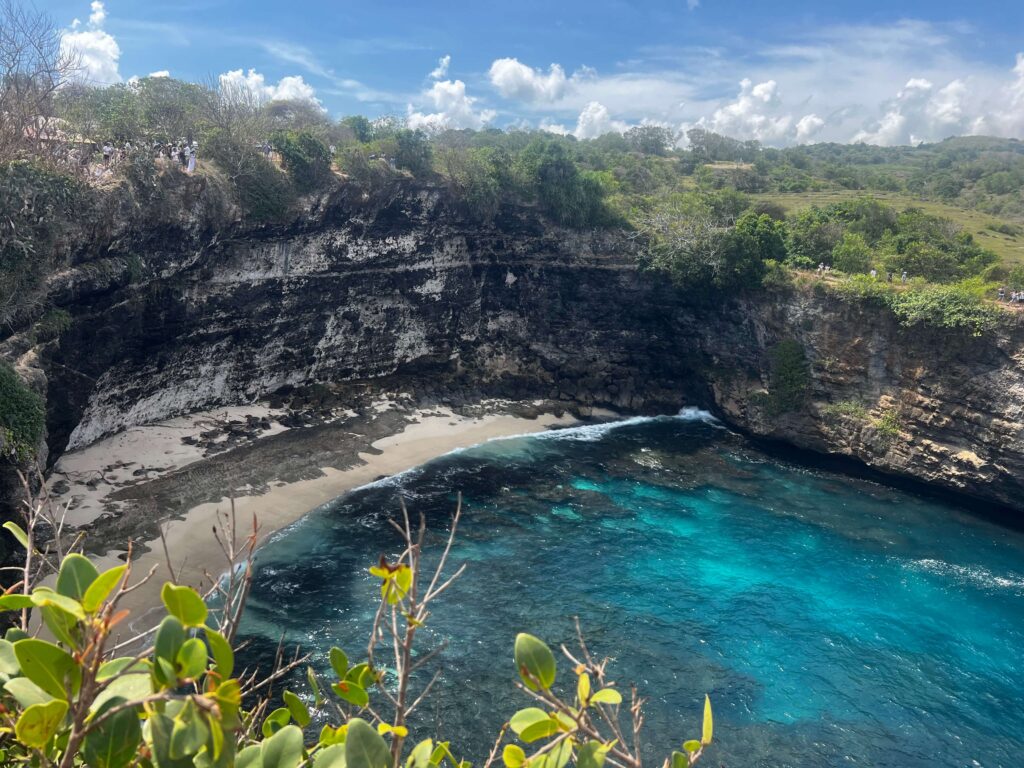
(224, 314)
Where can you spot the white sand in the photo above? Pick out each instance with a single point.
(194, 552)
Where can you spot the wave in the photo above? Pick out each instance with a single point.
(973, 574)
(590, 433)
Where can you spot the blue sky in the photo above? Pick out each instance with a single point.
(782, 73)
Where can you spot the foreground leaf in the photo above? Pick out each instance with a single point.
(364, 747)
(39, 723)
(534, 661)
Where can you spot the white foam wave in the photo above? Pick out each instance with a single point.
(974, 575)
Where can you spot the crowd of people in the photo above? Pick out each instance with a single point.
(1016, 297)
(99, 160)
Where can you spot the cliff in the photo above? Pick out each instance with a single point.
(189, 307)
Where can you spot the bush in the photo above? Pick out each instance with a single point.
(263, 191)
(851, 409)
(852, 255)
(305, 158)
(958, 307)
(790, 378)
(22, 416)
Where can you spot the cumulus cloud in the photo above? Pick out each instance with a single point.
(515, 80)
(292, 87)
(96, 49)
(595, 120)
(921, 111)
(160, 73)
(441, 70)
(453, 107)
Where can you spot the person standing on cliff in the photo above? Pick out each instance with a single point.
(191, 158)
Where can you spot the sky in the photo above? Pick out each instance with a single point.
(877, 71)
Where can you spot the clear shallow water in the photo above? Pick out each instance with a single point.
(833, 621)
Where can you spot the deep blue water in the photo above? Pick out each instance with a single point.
(833, 621)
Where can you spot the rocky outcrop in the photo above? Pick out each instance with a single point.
(201, 310)
(939, 406)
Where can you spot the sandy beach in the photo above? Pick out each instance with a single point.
(155, 477)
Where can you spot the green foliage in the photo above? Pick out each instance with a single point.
(567, 195)
(306, 159)
(790, 380)
(852, 255)
(955, 307)
(22, 416)
(412, 152)
(263, 190)
(888, 427)
(71, 702)
(849, 409)
(39, 206)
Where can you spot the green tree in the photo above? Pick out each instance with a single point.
(852, 255)
(306, 159)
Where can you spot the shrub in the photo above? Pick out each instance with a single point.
(888, 427)
(851, 409)
(263, 191)
(22, 416)
(790, 377)
(852, 255)
(305, 158)
(946, 306)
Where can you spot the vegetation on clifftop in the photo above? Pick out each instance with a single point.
(22, 416)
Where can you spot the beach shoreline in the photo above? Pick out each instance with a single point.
(155, 479)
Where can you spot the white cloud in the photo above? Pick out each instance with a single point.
(97, 50)
(441, 70)
(292, 87)
(453, 108)
(828, 84)
(595, 120)
(515, 80)
(160, 73)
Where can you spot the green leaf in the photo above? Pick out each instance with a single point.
(283, 749)
(275, 721)
(13, 635)
(63, 625)
(25, 692)
(299, 711)
(39, 723)
(330, 757)
(185, 604)
(191, 659)
(116, 742)
(250, 757)
(534, 661)
(524, 718)
(513, 756)
(101, 588)
(539, 731)
(691, 746)
(352, 693)
(76, 575)
(220, 649)
(420, 755)
(339, 662)
(364, 747)
(18, 532)
(188, 733)
(160, 728)
(114, 667)
(606, 696)
(560, 755)
(314, 684)
(44, 597)
(128, 687)
(679, 760)
(8, 662)
(49, 667)
(709, 726)
(170, 636)
(590, 755)
(15, 602)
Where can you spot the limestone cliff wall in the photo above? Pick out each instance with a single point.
(203, 310)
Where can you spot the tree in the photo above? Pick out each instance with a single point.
(33, 67)
(650, 139)
(305, 158)
(852, 255)
(412, 152)
(359, 126)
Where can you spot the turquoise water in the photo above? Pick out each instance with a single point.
(833, 621)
